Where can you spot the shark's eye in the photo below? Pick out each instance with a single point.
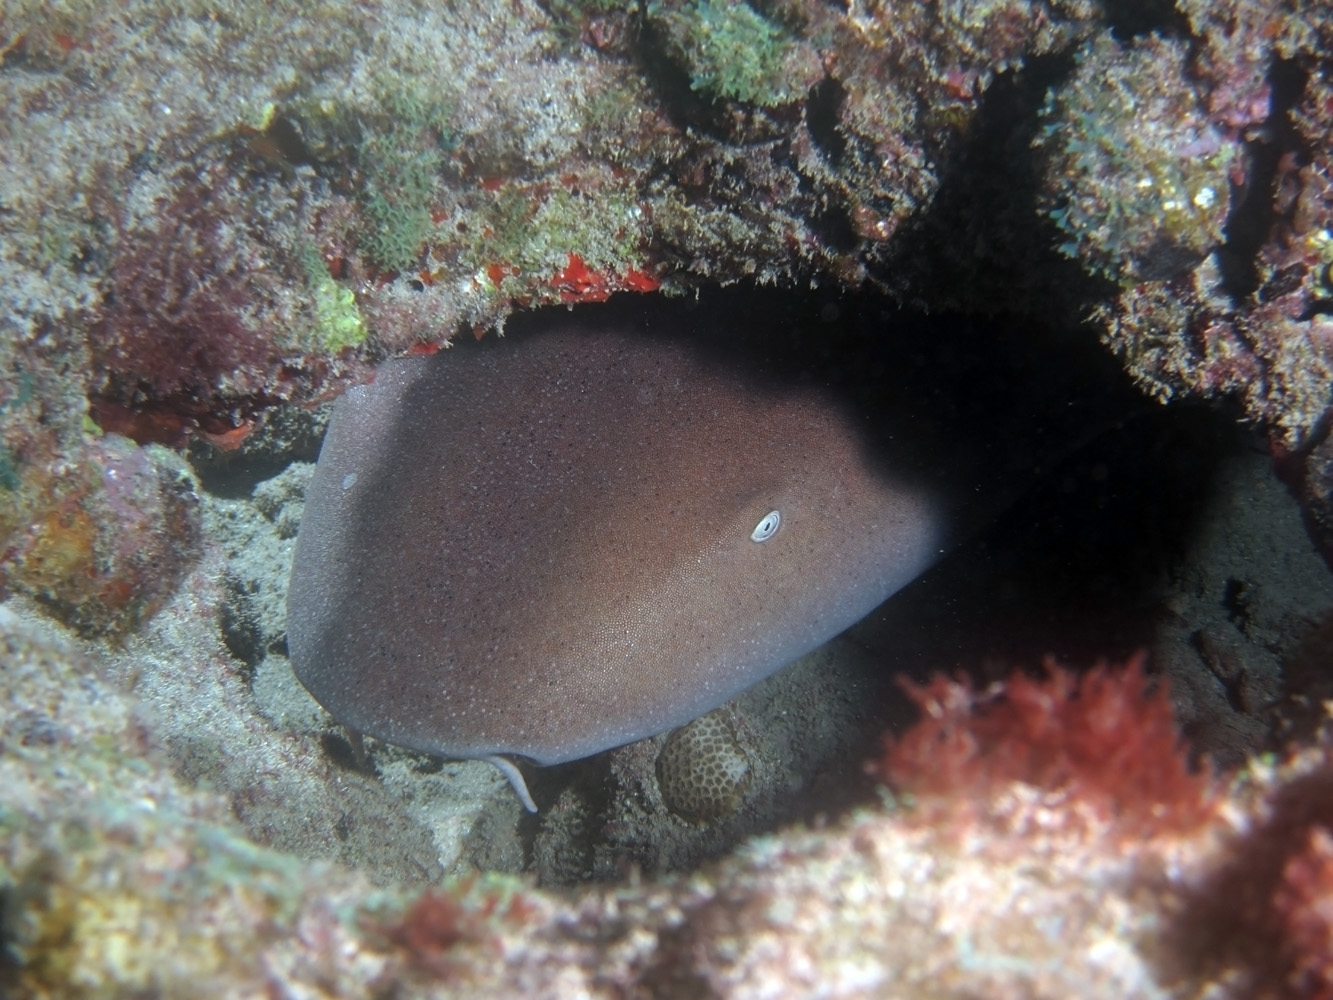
(767, 527)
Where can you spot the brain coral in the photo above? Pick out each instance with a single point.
(702, 770)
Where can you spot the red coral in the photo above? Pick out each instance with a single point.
(1304, 904)
(1104, 741)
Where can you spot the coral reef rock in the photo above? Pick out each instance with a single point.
(703, 770)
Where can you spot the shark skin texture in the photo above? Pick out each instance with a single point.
(595, 529)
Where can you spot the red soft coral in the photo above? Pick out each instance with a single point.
(1304, 904)
(1104, 742)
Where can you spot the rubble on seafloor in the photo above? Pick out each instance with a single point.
(213, 218)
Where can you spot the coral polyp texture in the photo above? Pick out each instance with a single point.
(1301, 902)
(703, 770)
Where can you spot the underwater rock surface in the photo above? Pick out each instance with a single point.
(212, 219)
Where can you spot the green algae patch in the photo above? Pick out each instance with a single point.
(732, 51)
(537, 234)
(401, 156)
(338, 323)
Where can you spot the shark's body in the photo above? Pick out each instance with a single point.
(561, 542)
